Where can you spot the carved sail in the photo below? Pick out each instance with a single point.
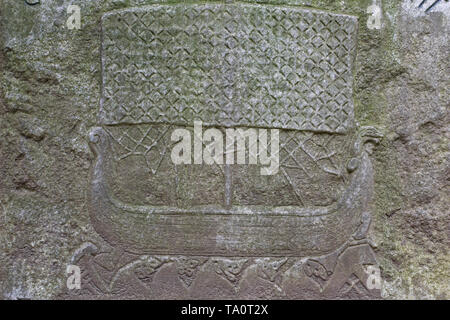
(228, 65)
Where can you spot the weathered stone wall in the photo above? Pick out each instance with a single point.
(50, 90)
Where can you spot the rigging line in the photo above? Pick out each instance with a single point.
(432, 6)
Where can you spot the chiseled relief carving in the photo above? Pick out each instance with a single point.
(224, 230)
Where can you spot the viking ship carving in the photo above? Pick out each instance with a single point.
(229, 65)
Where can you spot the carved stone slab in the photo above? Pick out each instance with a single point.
(225, 226)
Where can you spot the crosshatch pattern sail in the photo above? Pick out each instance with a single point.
(279, 67)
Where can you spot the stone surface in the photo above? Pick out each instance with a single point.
(85, 178)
